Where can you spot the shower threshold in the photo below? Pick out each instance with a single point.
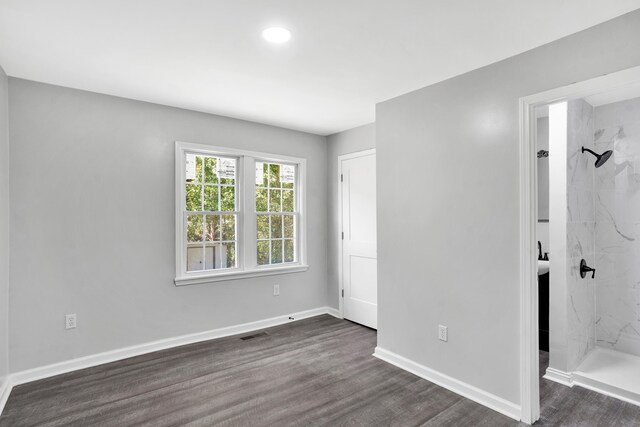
(612, 373)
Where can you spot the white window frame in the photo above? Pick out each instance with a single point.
(246, 249)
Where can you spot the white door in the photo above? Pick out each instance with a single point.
(359, 253)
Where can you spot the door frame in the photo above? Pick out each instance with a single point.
(342, 157)
(529, 380)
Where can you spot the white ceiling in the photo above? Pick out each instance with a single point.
(343, 58)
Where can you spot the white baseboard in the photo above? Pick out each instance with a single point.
(34, 374)
(558, 376)
(334, 312)
(482, 397)
(5, 390)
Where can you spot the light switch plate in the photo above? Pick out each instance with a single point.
(443, 333)
(70, 321)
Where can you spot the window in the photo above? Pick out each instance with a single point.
(238, 214)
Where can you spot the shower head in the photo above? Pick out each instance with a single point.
(601, 159)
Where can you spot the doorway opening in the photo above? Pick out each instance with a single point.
(592, 233)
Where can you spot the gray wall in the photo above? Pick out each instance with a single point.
(4, 226)
(448, 253)
(349, 141)
(92, 220)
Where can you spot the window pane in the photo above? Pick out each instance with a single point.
(199, 168)
(194, 228)
(210, 173)
(210, 197)
(274, 176)
(228, 199)
(213, 228)
(263, 252)
(262, 174)
(288, 184)
(228, 227)
(209, 257)
(276, 251)
(288, 226)
(194, 197)
(287, 200)
(274, 200)
(195, 258)
(289, 251)
(190, 167)
(261, 199)
(226, 169)
(287, 176)
(262, 226)
(230, 255)
(276, 226)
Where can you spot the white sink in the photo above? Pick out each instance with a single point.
(543, 267)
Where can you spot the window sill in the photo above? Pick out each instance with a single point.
(233, 275)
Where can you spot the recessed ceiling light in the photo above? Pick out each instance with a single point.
(276, 35)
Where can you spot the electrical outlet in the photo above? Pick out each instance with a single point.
(443, 333)
(276, 290)
(70, 321)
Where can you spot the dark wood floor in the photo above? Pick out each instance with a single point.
(317, 371)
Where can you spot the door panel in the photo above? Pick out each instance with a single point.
(362, 275)
(359, 253)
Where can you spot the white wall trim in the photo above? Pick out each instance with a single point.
(5, 390)
(482, 397)
(334, 312)
(47, 371)
(342, 157)
(529, 387)
(529, 383)
(246, 274)
(558, 376)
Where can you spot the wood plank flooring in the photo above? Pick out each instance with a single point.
(313, 372)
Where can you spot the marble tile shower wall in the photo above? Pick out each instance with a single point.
(581, 336)
(617, 231)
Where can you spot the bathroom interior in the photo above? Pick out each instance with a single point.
(588, 232)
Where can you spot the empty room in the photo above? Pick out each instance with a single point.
(319, 213)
